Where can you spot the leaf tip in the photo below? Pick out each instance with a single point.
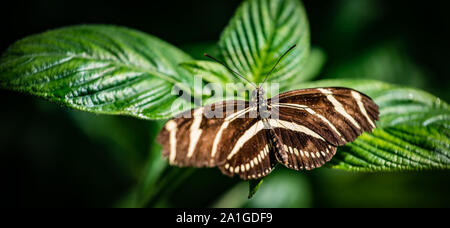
(253, 187)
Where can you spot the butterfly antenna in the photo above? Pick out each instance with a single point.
(279, 59)
(231, 70)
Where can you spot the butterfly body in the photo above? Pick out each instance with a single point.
(264, 113)
(299, 129)
(259, 101)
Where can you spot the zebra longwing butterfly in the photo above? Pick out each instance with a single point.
(299, 129)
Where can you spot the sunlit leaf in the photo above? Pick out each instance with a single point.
(313, 67)
(209, 71)
(98, 68)
(260, 32)
(254, 186)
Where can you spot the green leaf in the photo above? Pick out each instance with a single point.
(396, 148)
(216, 73)
(254, 186)
(313, 66)
(413, 132)
(213, 75)
(209, 71)
(98, 68)
(260, 32)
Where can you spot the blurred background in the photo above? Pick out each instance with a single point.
(51, 156)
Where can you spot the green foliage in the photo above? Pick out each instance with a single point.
(260, 32)
(98, 68)
(209, 71)
(313, 66)
(119, 71)
(254, 187)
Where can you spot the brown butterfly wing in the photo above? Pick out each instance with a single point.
(237, 143)
(252, 154)
(190, 138)
(313, 122)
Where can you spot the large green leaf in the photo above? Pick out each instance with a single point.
(213, 72)
(209, 71)
(312, 68)
(216, 77)
(259, 33)
(413, 132)
(98, 68)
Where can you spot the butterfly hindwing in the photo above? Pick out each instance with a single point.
(297, 150)
(251, 154)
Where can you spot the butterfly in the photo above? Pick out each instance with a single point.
(300, 129)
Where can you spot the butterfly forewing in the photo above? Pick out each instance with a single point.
(312, 122)
(201, 137)
(337, 114)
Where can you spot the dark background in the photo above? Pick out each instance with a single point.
(54, 157)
